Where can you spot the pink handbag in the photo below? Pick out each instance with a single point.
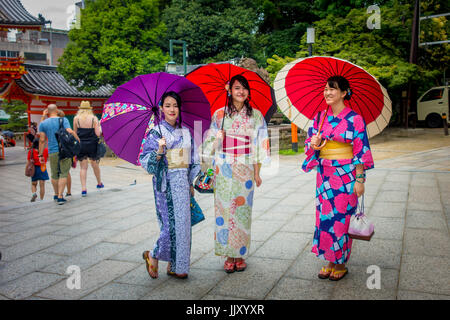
(360, 227)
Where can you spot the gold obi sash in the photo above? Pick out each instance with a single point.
(334, 150)
(177, 158)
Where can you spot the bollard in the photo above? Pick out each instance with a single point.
(444, 120)
(294, 137)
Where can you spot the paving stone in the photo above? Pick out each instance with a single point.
(17, 237)
(283, 245)
(91, 280)
(29, 224)
(28, 285)
(130, 222)
(261, 230)
(118, 291)
(392, 196)
(134, 252)
(301, 223)
(25, 265)
(136, 234)
(425, 242)
(394, 186)
(414, 295)
(387, 209)
(425, 220)
(30, 246)
(388, 228)
(86, 258)
(425, 274)
(300, 289)
(255, 282)
(83, 227)
(197, 285)
(140, 277)
(423, 194)
(80, 242)
(424, 206)
(380, 252)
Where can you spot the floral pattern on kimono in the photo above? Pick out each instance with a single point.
(335, 199)
(171, 188)
(234, 179)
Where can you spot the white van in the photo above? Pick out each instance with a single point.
(431, 105)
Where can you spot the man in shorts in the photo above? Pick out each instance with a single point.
(47, 129)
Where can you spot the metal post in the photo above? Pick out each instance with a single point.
(184, 57)
(51, 45)
(444, 121)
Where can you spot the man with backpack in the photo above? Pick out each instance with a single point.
(63, 144)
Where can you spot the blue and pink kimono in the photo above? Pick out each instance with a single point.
(171, 188)
(335, 200)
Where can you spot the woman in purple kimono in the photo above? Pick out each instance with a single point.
(168, 153)
(341, 166)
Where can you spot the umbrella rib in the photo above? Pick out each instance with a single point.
(115, 132)
(148, 96)
(137, 127)
(306, 75)
(156, 90)
(262, 94)
(379, 130)
(360, 84)
(373, 103)
(145, 102)
(215, 78)
(315, 83)
(303, 97)
(331, 67)
(320, 70)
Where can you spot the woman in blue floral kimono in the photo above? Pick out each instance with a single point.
(341, 166)
(168, 153)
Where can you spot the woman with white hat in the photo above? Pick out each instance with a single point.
(86, 125)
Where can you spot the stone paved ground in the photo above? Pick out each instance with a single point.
(105, 233)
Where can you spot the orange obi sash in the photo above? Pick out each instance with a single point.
(334, 150)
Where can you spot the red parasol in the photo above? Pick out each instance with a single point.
(212, 79)
(299, 91)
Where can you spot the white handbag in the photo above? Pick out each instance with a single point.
(360, 226)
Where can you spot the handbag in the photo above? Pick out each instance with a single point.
(101, 149)
(360, 227)
(29, 168)
(204, 183)
(196, 212)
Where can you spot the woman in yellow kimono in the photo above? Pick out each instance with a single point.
(239, 140)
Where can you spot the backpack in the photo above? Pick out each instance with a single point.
(68, 146)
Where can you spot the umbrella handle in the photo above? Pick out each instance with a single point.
(324, 142)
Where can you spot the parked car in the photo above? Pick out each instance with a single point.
(432, 104)
(4, 117)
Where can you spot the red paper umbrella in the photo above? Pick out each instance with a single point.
(212, 79)
(299, 92)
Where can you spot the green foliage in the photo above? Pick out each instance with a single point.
(118, 40)
(213, 30)
(290, 152)
(275, 64)
(18, 112)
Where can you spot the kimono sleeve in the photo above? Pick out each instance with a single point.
(148, 156)
(194, 166)
(207, 148)
(312, 156)
(261, 144)
(361, 147)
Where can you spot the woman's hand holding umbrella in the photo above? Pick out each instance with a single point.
(162, 144)
(316, 139)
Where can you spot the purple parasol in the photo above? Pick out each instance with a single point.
(133, 109)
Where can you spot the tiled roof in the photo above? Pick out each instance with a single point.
(45, 80)
(12, 12)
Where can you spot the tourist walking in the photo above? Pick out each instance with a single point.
(238, 139)
(59, 168)
(87, 127)
(61, 114)
(40, 170)
(169, 154)
(341, 166)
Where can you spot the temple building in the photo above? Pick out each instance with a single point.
(28, 55)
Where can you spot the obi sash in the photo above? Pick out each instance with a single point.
(177, 158)
(236, 144)
(334, 150)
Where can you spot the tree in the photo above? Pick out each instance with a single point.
(18, 112)
(214, 30)
(118, 40)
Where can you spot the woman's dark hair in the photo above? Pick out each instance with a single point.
(339, 82)
(36, 143)
(174, 95)
(230, 107)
